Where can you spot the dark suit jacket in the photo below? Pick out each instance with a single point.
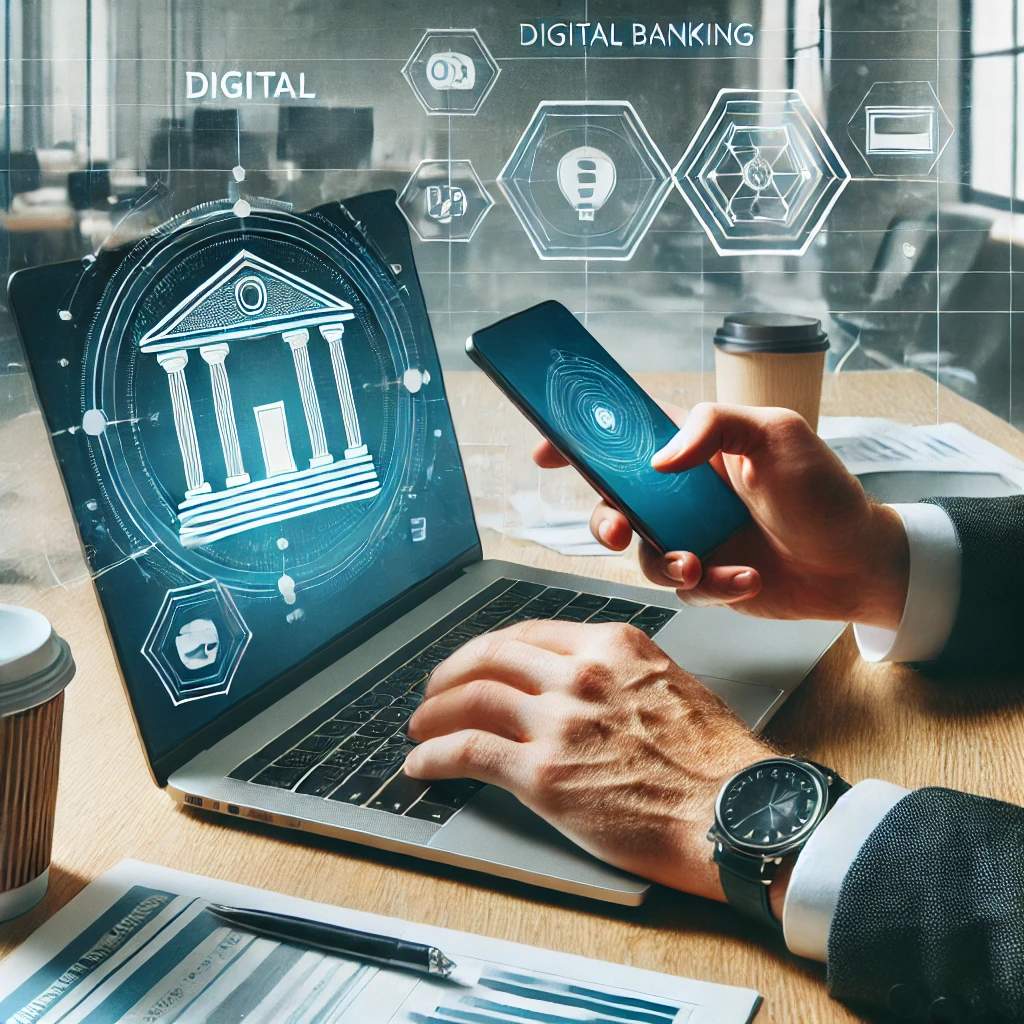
(930, 920)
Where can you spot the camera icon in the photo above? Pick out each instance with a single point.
(445, 202)
(451, 70)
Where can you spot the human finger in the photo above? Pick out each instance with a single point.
(678, 569)
(546, 456)
(472, 754)
(723, 584)
(499, 657)
(481, 704)
(737, 430)
(610, 527)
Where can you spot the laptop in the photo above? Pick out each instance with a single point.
(249, 415)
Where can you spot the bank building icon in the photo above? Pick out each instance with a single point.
(250, 298)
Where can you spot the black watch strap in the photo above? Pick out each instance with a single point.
(741, 882)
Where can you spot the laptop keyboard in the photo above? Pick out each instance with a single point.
(351, 749)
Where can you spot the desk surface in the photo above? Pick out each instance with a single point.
(881, 721)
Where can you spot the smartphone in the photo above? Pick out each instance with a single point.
(606, 425)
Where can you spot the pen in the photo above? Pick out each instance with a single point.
(334, 939)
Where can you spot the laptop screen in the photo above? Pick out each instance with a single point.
(250, 419)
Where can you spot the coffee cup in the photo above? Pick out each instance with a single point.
(771, 359)
(35, 667)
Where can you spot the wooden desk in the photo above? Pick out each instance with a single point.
(866, 720)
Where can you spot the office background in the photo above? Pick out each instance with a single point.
(916, 265)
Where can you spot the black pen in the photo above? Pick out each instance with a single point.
(332, 938)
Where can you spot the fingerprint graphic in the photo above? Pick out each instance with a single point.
(608, 422)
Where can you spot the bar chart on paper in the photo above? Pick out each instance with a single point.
(140, 945)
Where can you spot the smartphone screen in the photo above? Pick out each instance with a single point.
(606, 425)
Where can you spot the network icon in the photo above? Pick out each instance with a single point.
(761, 175)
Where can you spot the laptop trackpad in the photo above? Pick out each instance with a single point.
(496, 828)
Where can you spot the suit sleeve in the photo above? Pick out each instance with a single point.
(929, 924)
(986, 632)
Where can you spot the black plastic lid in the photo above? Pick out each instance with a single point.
(770, 332)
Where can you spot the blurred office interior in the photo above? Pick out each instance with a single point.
(920, 271)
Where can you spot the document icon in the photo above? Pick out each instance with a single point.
(902, 131)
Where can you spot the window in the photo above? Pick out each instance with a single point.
(994, 83)
(807, 44)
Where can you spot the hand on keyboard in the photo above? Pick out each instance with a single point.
(598, 731)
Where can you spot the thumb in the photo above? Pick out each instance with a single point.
(711, 428)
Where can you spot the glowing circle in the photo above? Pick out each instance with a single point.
(582, 395)
(251, 295)
(94, 422)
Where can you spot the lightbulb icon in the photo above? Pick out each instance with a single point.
(586, 177)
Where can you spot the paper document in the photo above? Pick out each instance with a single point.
(139, 946)
(868, 445)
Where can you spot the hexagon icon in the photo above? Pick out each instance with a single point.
(761, 175)
(196, 641)
(900, 129)
(451, 71)
(585, 180)
(444, 200)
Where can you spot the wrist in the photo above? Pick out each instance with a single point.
(882, 590)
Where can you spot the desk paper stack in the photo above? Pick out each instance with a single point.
(138, 946)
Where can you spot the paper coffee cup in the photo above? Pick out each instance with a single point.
(35, 666)
(771, 359)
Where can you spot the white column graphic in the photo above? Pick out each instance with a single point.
(215, 356)
(298, 341)
(332, 335)
(174, 363)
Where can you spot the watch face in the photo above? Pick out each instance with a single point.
(771, 805)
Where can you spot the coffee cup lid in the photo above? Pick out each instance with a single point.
(35, 663)
(770, 332)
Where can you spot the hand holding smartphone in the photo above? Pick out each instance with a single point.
(606, 426)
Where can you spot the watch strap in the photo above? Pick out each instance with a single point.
(741, 882)
(837, 786)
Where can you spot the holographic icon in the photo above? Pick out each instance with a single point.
(895, 131)
(197, 641)
(900, 129)
(451, 71)
(249, 297)
(604, 418)
(586, 177)
(444, 201)
(760, 174)
(585, 180)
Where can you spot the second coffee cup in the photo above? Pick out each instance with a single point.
(771, 359)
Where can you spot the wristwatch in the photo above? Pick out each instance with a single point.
(763, 814)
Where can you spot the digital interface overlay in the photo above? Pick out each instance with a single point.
(250, 419)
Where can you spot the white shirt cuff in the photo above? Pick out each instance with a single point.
(932, 596)
(822, 865)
